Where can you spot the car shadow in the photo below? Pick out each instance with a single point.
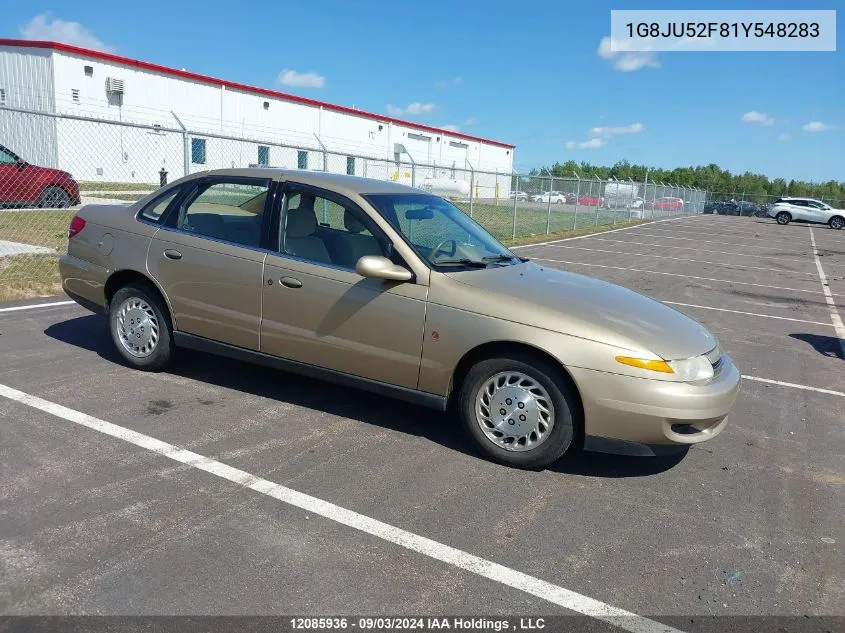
(614, 461)
(824, 345)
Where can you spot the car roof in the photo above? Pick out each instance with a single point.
(340, 183)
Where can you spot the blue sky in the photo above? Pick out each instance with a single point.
(530, 74)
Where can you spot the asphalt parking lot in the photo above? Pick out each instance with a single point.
(747, 524)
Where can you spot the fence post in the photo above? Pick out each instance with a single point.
(597, 197)
(186, 145)
(513, 228)
(577, 195)
(471, 188)
(549, 211)
(631, 203)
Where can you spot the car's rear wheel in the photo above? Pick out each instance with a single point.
(783, 218)
(140, 327)
(837, 222)
(54, 198)
(558, 201)
(518, 414)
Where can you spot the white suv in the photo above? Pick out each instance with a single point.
(785, 210)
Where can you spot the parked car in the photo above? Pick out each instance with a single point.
(23, 184)
(398, 292)
(666, 203)
(786, 210)
(710, 206)
(744, 207)
(591, 201)
(636, 203)
(556, 197)
(519, 195)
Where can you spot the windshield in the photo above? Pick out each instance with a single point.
(439, 232)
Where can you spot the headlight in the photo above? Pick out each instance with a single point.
(692, 369)
(687, 370)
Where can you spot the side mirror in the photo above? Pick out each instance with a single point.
(379, 267)
(21, 163)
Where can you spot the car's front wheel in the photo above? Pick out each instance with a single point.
(837, 222)
(783, 218)
(518, 411)
(54, 198)
(140, 327)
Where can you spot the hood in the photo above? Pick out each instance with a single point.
(580, 306)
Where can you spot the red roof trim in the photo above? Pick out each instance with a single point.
(67, 48)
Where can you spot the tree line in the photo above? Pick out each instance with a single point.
(708, 177)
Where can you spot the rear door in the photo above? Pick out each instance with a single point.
(209, 257)
(800, 210)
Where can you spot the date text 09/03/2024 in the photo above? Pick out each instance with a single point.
(466, 624)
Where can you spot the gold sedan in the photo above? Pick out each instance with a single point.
(394, 290)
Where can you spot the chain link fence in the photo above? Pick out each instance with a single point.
(51, 164)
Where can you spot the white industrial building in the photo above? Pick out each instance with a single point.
(188, 120)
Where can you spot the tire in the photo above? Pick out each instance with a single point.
(136, 311)
(783, 218)
(837, 222)
(558, 201)
(477, 411)
(53, 197)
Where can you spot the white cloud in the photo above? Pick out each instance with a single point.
(412, 108)
(46, 27)
(445, 83)
(784, 137)
(607, 132)
(755, 117)
(296, 79)
(624, 59)
(450, 127)
(818, 126)
(593, 143)
(471, 121)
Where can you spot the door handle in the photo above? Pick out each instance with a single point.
(290, 282)
(171, 254)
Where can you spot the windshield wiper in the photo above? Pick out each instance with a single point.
(460, 262)
(498, 258)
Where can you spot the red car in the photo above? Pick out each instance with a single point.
(591, 201)
(665, 204)
(22, 184)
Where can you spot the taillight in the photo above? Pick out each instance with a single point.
(76, 225)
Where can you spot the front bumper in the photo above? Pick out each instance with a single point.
(656, 411)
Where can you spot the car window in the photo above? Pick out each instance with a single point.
(226, 210)
(818, 205)
(328, 230)
(154, 210)
(799, 203)
(6, 157)
(440, 232)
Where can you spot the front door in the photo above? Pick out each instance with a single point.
(318, 310)
(209, 261)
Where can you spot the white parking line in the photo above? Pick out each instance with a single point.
(624, 228)
(754, 314)
(828, 297)
(795, 386)
(420, 544)
(734, 234)
(692, 248)
(680, 259)
(692, 239)
(37, 305)
(660, 272)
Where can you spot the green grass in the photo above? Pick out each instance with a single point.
(25, 276)
(127, 197)
(116, 186)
